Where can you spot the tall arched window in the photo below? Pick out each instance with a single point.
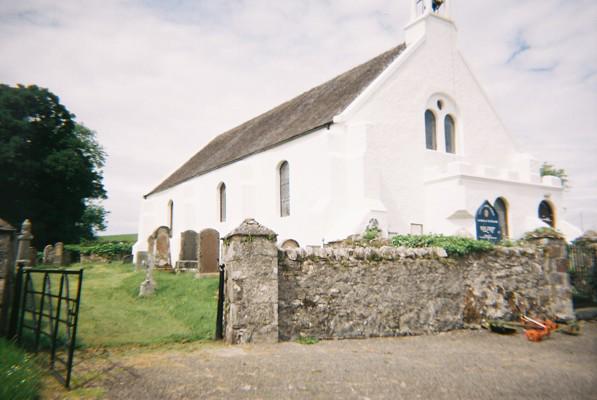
(450, 133)
(222, 201)
(284, 189)
(501, 207)
(430, 138)
(546, 213)
(170, 214)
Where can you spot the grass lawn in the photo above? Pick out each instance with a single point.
(182, 309)
(127, 237)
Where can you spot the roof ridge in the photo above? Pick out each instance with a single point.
(300, 115)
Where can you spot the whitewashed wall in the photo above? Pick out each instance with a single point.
(372, 162)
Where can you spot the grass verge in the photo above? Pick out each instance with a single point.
(112, 313)
(20, 377)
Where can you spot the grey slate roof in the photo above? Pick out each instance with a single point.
(303, 114)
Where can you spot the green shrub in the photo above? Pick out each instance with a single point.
(454, 245)
(104, 249)
(20, 377)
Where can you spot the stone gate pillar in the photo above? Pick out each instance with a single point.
(555, 268)
(251, 290)
(7, 237)
(25, 238)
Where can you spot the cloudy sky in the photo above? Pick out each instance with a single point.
(157, 79)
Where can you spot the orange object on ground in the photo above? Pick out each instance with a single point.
(538, 329)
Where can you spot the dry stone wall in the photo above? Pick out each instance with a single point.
(365, 292)
(350, 292)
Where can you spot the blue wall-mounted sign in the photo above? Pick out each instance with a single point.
(488, 223)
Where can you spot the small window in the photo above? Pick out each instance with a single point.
(222, 201)
(546, 213)
(170, 214)
(449, 128)
(430, 139)
(284, 189)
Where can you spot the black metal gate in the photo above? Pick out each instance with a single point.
(220, 312)
(583, 274)
(45, 315)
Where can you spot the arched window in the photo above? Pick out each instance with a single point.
(430, 139)
(170, 214)
(284, 190)
(546, 213)
(501, 207)
(450, 132)
(222, 201)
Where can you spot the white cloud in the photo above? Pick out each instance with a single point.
(158, 79)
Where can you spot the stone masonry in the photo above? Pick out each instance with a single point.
(251, 289)
(7, 236)
(350, 292)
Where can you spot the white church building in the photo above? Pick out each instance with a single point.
(409, 138)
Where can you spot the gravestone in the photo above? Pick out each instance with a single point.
(290, 244)
(48, 257)
(162, 248)
(59, 254)
(209, 251)
(187, 258)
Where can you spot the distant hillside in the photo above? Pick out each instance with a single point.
(127, 237)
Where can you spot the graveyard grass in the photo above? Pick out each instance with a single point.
(112, 314)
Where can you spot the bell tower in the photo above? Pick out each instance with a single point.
(422, 13)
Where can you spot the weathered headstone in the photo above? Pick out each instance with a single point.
(187, 257)
(158, 247)
(59, 254)
(162, 248)
(148, 286)
(48, 257)
(290, 244)
(209, 251)
(188, 246)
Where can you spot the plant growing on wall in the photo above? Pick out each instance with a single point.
(454, 245)
(548, 169)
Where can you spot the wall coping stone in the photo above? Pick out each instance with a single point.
(387, 253)
(250, 227)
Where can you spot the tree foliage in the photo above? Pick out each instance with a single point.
(51, 167)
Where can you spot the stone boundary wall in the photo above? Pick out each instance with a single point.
(353, 292)
(367, 292)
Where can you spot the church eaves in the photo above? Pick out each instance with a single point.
(304, 114)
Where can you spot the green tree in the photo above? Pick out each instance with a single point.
(50, 167)
(548, 169)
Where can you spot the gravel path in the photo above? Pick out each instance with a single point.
(455, 365)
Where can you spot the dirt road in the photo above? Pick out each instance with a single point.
(455, 365)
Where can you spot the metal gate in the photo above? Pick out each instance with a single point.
(220, 312)
(45, 314)
(583, 274)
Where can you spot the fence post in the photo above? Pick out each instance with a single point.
(251, 289)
